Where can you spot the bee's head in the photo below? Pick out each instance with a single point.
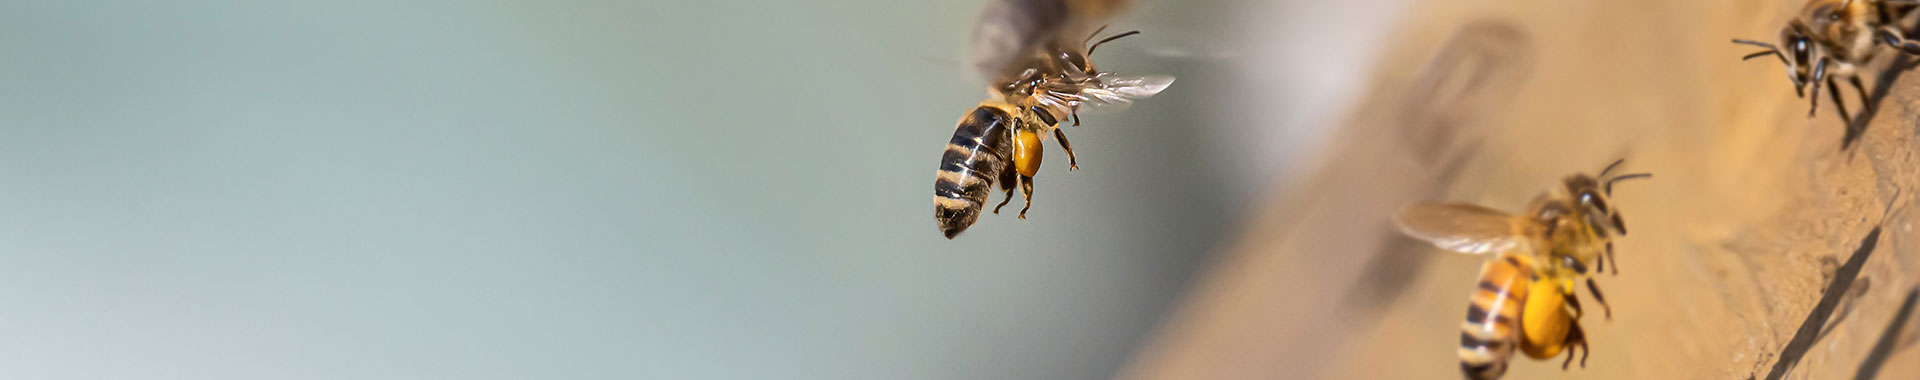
(1592, 196)
(1797, 44)
(1797, 52)
(1078, 61)
(1590, 200)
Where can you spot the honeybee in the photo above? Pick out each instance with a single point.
(1036, 57)
(1843, 33)
(1526, 296)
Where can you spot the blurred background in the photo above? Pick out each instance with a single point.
(601, 189)
(373, 189)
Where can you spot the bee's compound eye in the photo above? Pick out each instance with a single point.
(1593, 200)
(1574, 264)
(1078, 61)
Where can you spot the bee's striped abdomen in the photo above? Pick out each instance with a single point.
(975, 157)
(1491, 332)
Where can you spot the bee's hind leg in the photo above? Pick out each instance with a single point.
(1072, 163)
(1576, 338)
(1007, 183)
(1026, 191)
(1573, 304)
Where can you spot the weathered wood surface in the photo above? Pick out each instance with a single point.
(1753, 211)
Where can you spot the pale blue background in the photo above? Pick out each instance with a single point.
(533, 189)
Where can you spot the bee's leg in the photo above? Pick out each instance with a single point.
(1076, 117)
(1026, 191)
(1008, 180)
(1616, 263)
(1576, 338)
(1892, 37)
(1574, 304)
(1866, 101)
(1839, 105)
(1595, 289)
(1072, 163)
(1819, 75)
(1813, 101)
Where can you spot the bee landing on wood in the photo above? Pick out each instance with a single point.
(1036, 55)
(1832, 38)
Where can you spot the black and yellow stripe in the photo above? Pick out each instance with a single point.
(1490, 334)
(979, 152)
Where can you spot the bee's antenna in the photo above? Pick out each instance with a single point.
(1115, 37)
(1096, 32)
(1775, 50)
(1609, 169)
(1623, 177)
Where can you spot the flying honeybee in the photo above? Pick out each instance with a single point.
(1843, 34)
(1526, 296)
(1035, 55)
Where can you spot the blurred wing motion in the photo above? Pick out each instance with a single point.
(1461, 227)
(1110, 93)
(1009, 31)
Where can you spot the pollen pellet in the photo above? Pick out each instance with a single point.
(1545, 321)
(1026, 152)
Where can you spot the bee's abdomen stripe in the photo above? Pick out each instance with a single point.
(955, 160)
(945, 189)
(1475, 313)
(974, 158)
(1483, 370)
(972, 173)
(983, 129)
(973, 190)
(1478, 315)
(963, 141)
(1487, 339)
(1468, 341)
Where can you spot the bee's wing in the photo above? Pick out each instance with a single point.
(1460, 227)
(1107, 93)
(1011, 29)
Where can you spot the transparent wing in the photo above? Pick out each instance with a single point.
(1460, 227)
(1108, 93)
